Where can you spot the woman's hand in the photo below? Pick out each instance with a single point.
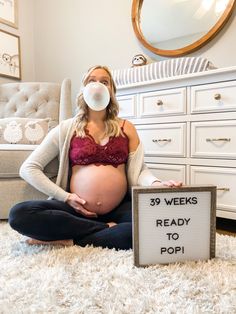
(78, 204)
(170, 183)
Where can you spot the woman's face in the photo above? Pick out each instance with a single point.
(101, 76)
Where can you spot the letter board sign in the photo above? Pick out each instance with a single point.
(173, 224)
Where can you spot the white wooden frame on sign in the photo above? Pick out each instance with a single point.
(9, 12)
(173, 224)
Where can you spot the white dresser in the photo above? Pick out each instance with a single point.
(188, 127)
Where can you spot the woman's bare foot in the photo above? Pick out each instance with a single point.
(111, 224)
(56, 242)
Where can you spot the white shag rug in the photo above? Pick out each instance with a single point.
(46, 279)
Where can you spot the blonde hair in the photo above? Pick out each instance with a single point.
(112, 127)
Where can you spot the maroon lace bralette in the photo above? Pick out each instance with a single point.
(85, 151)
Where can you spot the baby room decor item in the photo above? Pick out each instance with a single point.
(9, 12)
(28, 111)
(23, 130)
(139, 60)
(160, 70)
(187, 124)
(10, 62)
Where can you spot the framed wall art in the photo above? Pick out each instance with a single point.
(9, 12)
(10, 63)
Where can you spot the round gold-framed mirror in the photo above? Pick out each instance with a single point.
(177, 27)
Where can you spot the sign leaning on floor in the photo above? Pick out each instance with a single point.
(173, 224)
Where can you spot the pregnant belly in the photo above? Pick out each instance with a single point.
(102, 187)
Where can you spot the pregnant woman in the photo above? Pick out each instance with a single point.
(100, 159)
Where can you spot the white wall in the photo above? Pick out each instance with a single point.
(26, 32)
(63, 38)
(73, 35)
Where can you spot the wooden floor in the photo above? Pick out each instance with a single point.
(226, 226)
(232, 234)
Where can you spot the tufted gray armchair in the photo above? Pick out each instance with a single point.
(24, 102)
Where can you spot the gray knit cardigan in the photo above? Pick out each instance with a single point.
(56, 145)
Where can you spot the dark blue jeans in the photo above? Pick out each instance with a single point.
(49, 220)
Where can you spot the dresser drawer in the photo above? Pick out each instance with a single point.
(163, 139)
(214, 139)
(167, 102)
(168, 172)
(214, 97)
(127, 105)
(223, 178)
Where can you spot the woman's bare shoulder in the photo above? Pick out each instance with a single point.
(131, 132)
(126, 124)
(129, 127)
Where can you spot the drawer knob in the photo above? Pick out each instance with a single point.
(161, 140)
(223, 189)
(223, 139)
(217, 96)
(159, 102)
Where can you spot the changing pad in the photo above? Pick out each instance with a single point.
(161, 70)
